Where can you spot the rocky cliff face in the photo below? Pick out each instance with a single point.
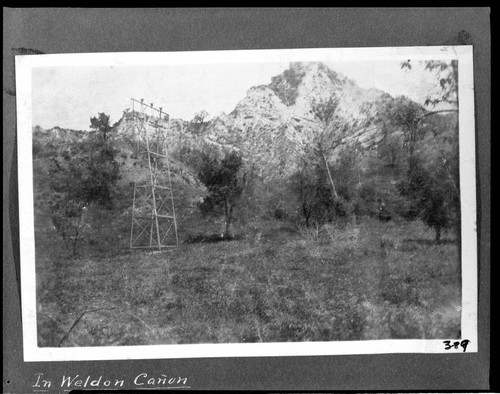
(275, 124)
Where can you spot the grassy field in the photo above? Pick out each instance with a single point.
(279, 282)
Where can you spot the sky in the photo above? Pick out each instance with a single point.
(69, 96)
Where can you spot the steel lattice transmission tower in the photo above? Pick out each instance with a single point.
(153, 214)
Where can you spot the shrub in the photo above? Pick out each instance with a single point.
(285, 85)
(386, 243)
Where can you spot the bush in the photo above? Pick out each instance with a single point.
(285, 85)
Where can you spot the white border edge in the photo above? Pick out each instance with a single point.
(32, 352)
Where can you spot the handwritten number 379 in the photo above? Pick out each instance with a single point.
(449, 344)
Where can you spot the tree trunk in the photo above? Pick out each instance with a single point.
(306, 214)
(334, 190)
(438, 235)
(228, 211)
(74, 242)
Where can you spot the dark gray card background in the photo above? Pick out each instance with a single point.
(123, 30)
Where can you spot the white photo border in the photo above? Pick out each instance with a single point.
(31, 351)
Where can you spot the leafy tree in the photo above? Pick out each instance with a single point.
(100, 124)
(429, 189)
(221, 178)
(324, 190)
(430, 193)
(348, 175)
(84, 173)
(446, 74)
(405, 117)
(99, 159)
(315, 201)
(200, 116)
(322, 147)
(328, 140)
(434, 189)
(391, 150)
(198, 122)
(303, 184)
(67, 218)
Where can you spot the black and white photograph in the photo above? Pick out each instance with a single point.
(247, 203)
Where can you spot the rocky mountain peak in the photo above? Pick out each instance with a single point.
(274, 123)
